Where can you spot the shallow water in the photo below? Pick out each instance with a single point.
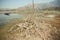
(7, 18)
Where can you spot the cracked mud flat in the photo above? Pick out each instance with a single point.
(33, 27)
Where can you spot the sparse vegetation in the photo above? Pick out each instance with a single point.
(35, 26)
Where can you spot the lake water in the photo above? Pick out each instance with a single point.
(6, 18)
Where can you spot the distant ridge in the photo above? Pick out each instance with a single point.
(51, 5)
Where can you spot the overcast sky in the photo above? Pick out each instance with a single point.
(18, 3)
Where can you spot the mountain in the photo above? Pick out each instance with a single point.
(54, 4)
(38, 6)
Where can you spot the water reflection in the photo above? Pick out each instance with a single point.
(6, 18)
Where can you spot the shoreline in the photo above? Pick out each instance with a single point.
(32, 27)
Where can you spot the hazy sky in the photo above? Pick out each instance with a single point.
(18, 3)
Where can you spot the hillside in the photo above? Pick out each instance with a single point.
(37, 7)
(40, 6)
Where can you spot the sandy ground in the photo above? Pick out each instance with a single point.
(33, 27)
